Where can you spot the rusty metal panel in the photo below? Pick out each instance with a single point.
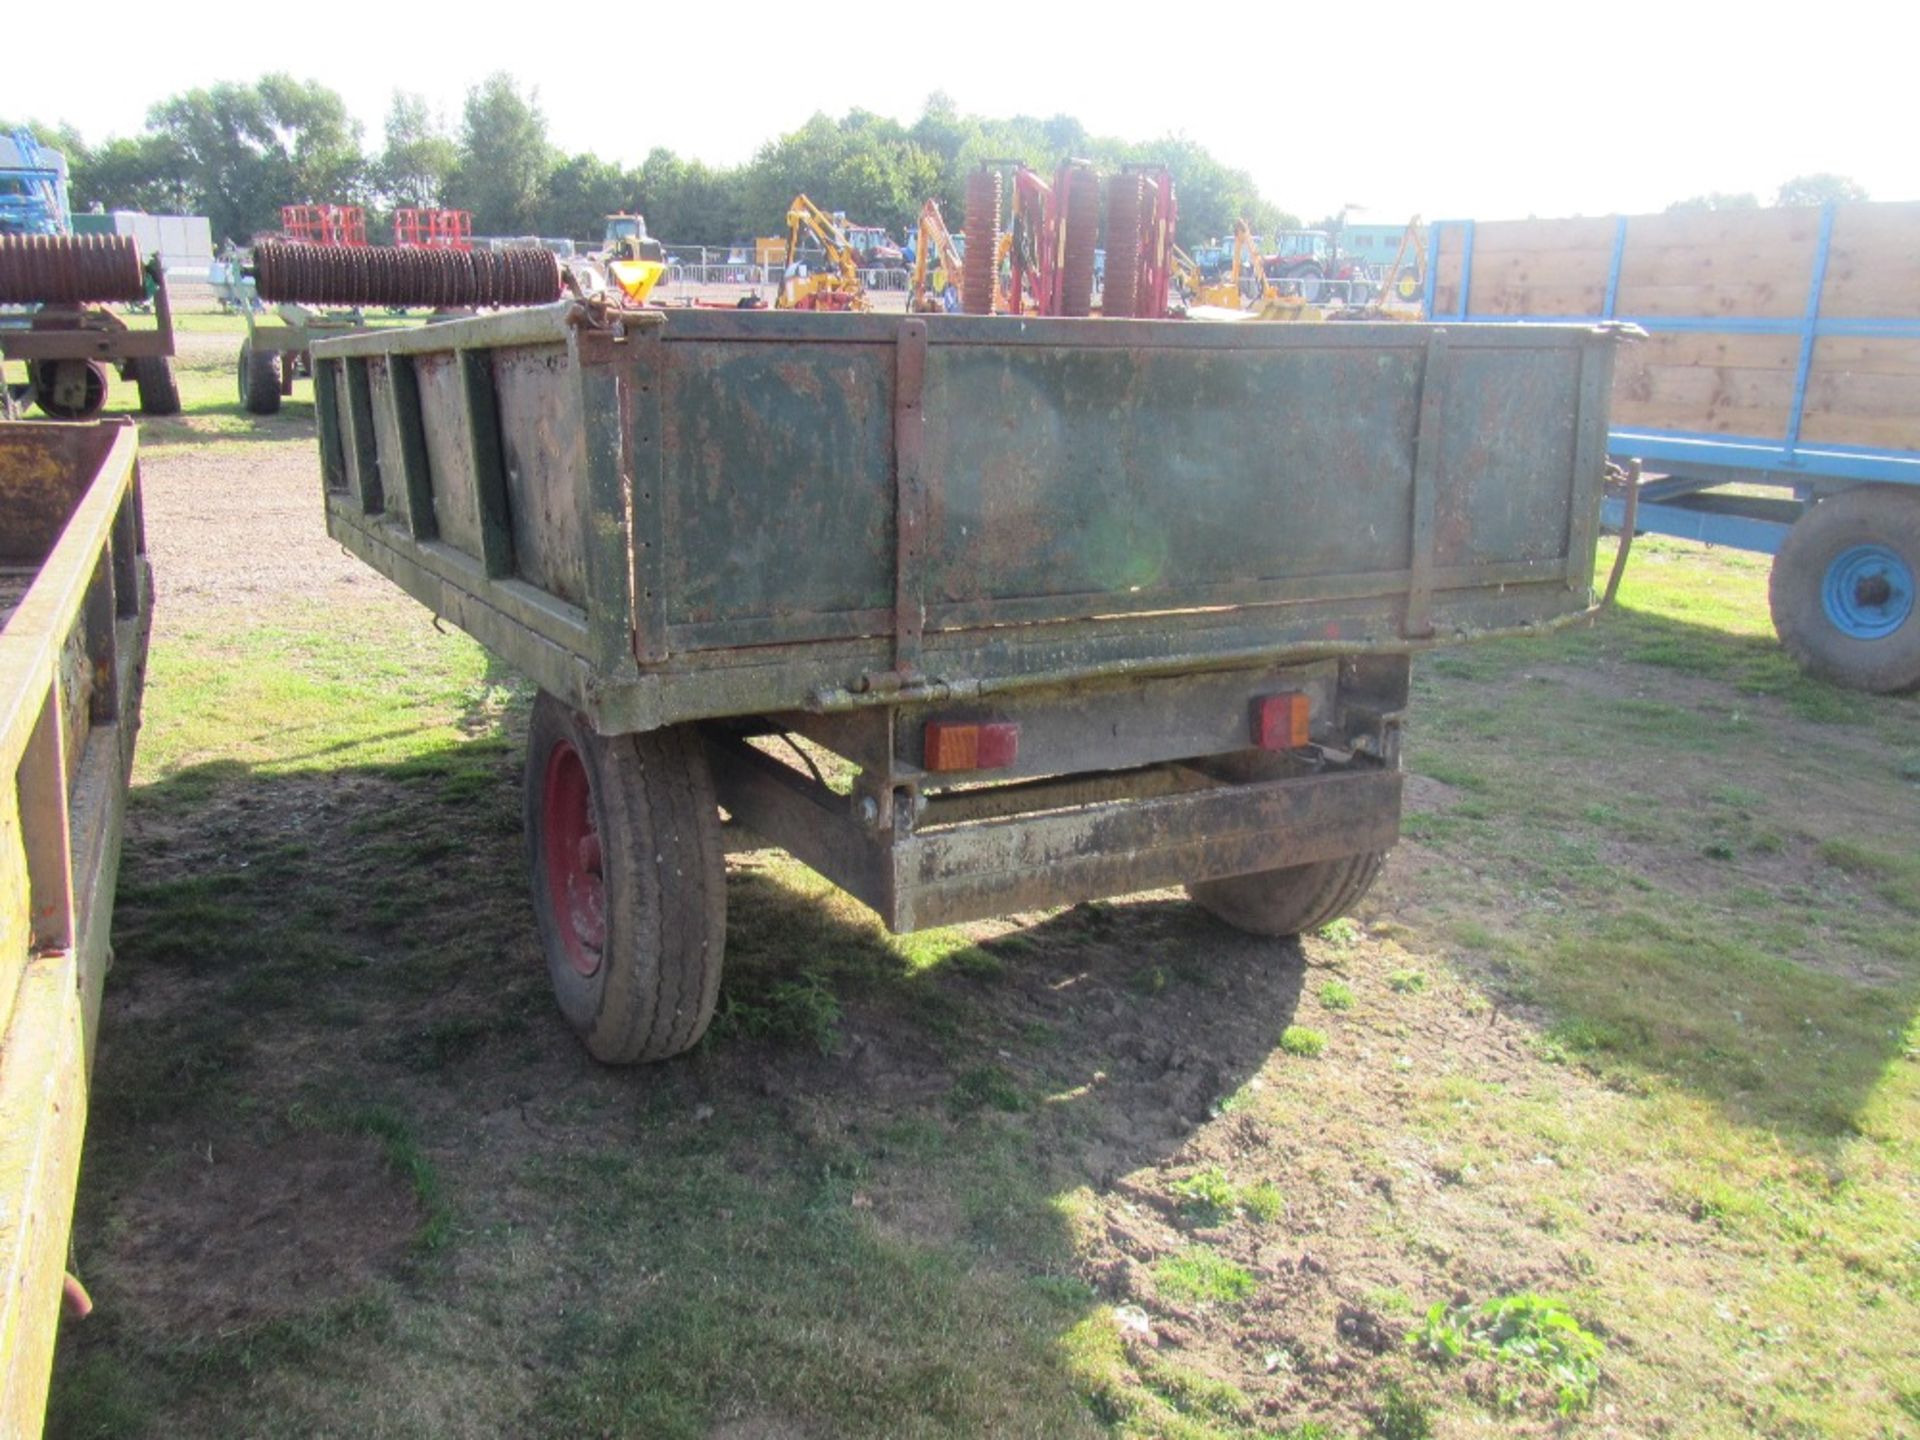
(779, 482)
(44, 470)
(1510, 438)
(1088, 499)
(995, 867)
(384, 433)
(456, 505)
(543, 440)
(1084, 474)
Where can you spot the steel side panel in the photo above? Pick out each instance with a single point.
(1086, 474)
(450, 458)
(1082, 482)
(1510, 428)
(778, 480)
(543, 437)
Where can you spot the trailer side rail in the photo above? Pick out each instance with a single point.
(72, 660)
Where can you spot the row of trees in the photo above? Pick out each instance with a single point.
(238, 152)
(1815, 189)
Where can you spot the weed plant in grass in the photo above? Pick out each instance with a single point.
(1336, 995)
(1198, 1274)
(1302, 1041)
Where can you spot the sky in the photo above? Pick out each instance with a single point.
(1480, 110)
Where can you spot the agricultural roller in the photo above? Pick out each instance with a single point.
(69, 341)
(321, 290)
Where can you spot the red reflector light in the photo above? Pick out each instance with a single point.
(971, 747)
(1280, 721)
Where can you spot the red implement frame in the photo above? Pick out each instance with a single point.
(324, 224)
(1040, 214)
(1159, 216)
(423, 229)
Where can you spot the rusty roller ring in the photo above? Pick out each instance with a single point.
(441, 279)
(70, 269)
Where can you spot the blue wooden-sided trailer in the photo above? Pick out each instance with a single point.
(1773, 407)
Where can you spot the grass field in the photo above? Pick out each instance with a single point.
(1602, 1117)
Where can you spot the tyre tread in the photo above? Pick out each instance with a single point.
(1269, 903)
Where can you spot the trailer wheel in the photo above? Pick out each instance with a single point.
(159, 391)
(1292, 899)
(259, 380)
(1845, 590)
(629, 884)
(69, 389)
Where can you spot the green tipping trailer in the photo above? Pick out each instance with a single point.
(1087, 606)
(76, 603)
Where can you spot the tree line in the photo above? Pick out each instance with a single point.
(237, 152)
(1814, 189)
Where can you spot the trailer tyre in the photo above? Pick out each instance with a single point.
(159, 391)
(629, 883)
(1293, 899)
(259, 380)
(1845, 589)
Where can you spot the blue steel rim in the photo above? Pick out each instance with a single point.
(1868, 592)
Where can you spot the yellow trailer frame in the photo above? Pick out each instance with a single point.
(76, 602)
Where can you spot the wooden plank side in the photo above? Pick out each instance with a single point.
(1792, 231)
(1446, 270)
(1717, 350)
(1725, 402)
(16, 929)
(1725, 384)
(69, 690)
(1740, 263)
(42, 1114)
(1732, 299)
(1860, 408)
(1527, 297)
(1866, 355)
(1880, 432)
(1594, 232)
(1873, 266)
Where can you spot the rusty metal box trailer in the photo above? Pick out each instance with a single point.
(75, 605)
(1086, 607)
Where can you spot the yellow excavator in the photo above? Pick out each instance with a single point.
(836, 284)
(936, 266)
(1232, 294)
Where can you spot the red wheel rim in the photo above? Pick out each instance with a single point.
(571, 844)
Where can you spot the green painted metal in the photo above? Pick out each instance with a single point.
(686, 515)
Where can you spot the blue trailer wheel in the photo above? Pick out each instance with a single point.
(1844, 594)
(1868, 592)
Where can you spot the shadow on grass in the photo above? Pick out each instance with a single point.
(850, 1210)
(1703, 891)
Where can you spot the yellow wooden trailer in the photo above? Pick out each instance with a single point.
(76, 599)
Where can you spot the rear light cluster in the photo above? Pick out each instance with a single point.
(1280, 721)
(990, 746)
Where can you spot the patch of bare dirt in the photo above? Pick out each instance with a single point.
(232, 525)
(235, 1234)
